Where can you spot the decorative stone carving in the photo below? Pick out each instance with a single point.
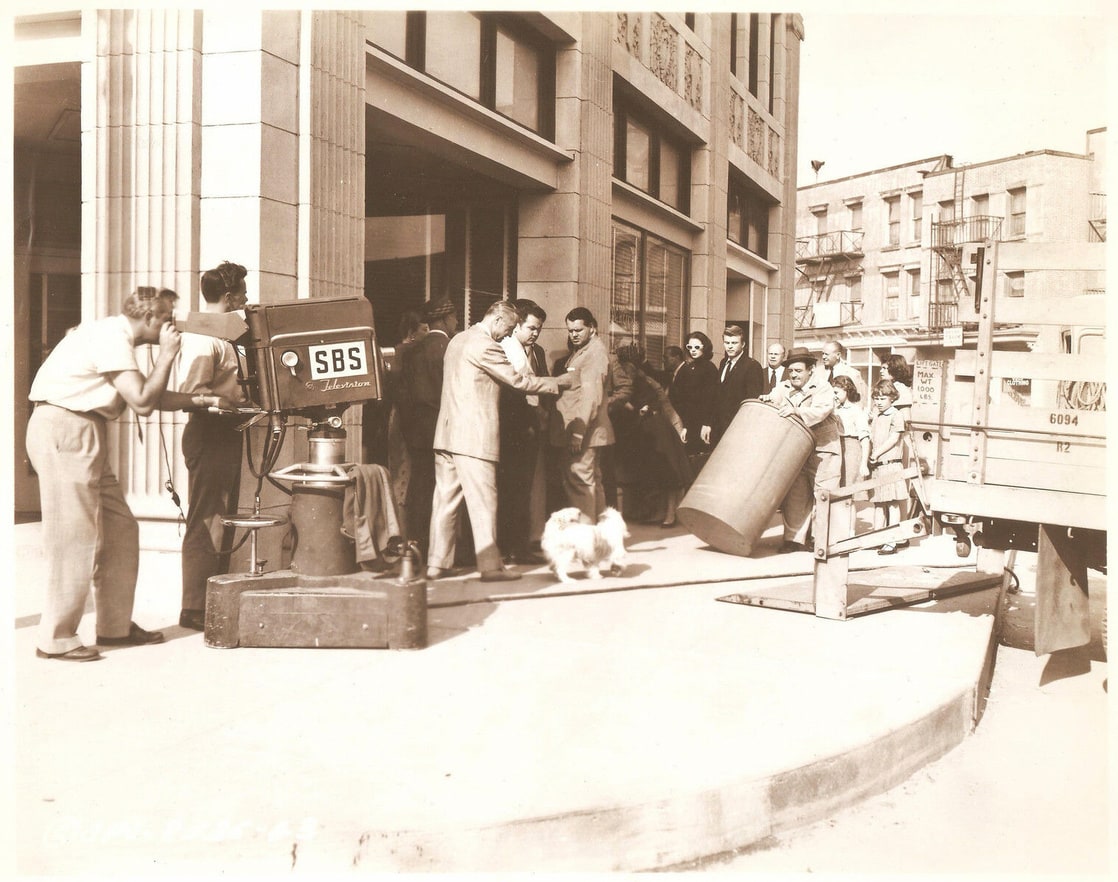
(665, 62)
(737, 119)
(756, 144)
(628, 32)
(693, 84)
(774, 154)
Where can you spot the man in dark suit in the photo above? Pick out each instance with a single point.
(420, 390)
(521, 484)
(740, 378)
(467, 440)
(774, 369)
(673, 361)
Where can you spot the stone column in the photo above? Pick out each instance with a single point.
(710, 184)
(216, 136)
(141, 77)
(283, 149)
(565, 237)
(782, 236)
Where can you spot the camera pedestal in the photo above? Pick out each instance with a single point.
(323, 600)
(289, 609)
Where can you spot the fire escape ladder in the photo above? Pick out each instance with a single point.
(953, 258)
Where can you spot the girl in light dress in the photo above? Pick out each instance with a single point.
(855, 432)
(886, 445)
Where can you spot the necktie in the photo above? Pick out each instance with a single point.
(726, 369)
(830, 375)
(772, 379)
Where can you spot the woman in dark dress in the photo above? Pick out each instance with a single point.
(651, 459)
(694, 395)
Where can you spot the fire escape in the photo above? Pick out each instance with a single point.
(948, 239)
(820, 259)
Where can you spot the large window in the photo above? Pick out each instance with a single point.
(754, 50)
(518, 77)
(820, 220)
(893, 209)
(913, 293)
(747, 216)
(917, 200)
(650, 159)
(855, 215)
(650, 282)
(892, 283)
(489, 57)
(1017, 211)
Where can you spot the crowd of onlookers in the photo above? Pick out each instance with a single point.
(475, 421)
(631, 433)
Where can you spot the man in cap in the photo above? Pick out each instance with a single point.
(467, 440)
(419, 394)
(805, 396)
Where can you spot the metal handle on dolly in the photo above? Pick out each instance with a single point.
(296, 474)
(252, 523)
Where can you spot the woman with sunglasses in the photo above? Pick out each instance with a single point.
(694, 394)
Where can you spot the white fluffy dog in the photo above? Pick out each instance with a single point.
(569, 540)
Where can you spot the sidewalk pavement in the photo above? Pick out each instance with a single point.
(625, 724)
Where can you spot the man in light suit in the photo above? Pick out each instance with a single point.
(836, 365)
(804, 395)
(581, 427)
(774, 370)
(467, 440)
(741, 378)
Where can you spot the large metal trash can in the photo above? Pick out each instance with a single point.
(735, 495)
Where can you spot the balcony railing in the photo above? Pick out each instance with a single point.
(942, 315)
(835, 244)
(828, 314)
(954, 233)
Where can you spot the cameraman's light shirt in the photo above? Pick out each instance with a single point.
(74, 374)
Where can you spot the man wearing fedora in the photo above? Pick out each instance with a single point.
(419, 393)
(806, 396)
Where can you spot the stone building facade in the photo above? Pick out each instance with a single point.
(640, 164)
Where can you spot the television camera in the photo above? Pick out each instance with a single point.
(309, 359)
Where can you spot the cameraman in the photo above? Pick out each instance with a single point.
(211, 443)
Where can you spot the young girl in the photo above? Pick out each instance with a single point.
(855, 431)
(885, 459)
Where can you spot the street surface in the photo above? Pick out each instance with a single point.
(1025, 795)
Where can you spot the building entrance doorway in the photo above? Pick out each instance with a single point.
(47, 243)
(434, 229)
